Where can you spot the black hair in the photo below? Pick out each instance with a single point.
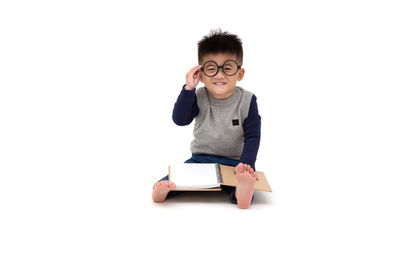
(220, 42)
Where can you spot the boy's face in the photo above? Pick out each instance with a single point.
(221, 86)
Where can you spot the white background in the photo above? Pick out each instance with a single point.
(87, 90)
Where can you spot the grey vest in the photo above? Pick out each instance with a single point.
(218, 128)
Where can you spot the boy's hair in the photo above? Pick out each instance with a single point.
(220, 42)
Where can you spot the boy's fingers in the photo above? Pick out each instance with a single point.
(195, 74)
(197, 68)
(192, 72)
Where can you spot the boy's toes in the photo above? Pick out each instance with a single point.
(239, 168)
(251, 171)
(163, 183)
(247, 168)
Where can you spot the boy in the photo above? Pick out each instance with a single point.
(227, 124)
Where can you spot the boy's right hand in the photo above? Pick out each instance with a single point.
(193, 78)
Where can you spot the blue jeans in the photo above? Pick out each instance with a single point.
(205, 158)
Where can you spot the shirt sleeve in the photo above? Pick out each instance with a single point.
(252, 134)
(185, 108)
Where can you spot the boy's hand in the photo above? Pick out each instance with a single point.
(193, 78)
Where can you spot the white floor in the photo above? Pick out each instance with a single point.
(107, 220)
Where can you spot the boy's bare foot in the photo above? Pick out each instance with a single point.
(246, 177)
(161, 190)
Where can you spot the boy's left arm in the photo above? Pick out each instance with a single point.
(252, 135)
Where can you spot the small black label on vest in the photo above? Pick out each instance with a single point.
(235, 122)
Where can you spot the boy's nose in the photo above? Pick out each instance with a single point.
(220, 74)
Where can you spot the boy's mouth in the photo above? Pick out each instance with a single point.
(219, 83)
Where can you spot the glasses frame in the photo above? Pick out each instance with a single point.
(221, 67)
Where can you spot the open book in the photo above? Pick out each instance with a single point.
(195, 175)
(208, 177)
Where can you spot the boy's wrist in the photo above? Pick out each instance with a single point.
(188, 88)
(187, 91)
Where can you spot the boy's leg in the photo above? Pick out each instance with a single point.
(204, 158)
(246, 178)
(230, 190)
(163, 189)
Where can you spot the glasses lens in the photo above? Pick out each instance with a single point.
(230, 67)
(210, 68)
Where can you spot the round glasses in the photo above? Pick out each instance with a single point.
(211, 68)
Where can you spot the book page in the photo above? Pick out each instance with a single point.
(194, 175)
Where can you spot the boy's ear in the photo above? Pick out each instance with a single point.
(241, 74)
(201, 76)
